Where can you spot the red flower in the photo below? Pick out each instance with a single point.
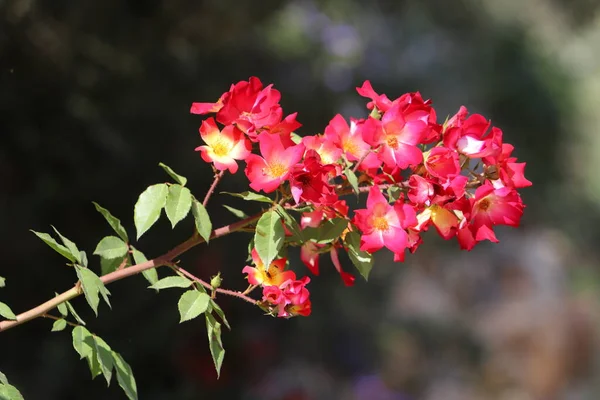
(223, 147)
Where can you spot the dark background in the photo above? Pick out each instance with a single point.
(93, 95)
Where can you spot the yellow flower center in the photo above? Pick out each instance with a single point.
(220, 148)
(350, 147)
(392, 141)
(380, 223)
(277, 169)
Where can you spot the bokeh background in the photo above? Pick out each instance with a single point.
(94, 94)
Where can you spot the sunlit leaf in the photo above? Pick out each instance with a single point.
(148, 207)
(6, 312)
(81, 342)
(114, 222)
(69, 245)
(203, 223)
(103, 353)
(362, 260)
(238, 213)
(269, 236)
(111, 247)
(251, 196)
(59, 248)
(171, 282)
(59, 325)
(125, 376)
(92, 287)
(150, 274)
(191, 304)
(178, 178)
(179, 202)
(215, 344)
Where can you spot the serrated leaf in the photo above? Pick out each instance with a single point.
(92, 287)
(394, 193)
(9, 392)
(179, 202)
(150, 274)
(191, 304)
(113, 221)
(59, 325)
(74, 313)
(6, 312)
(108, 265)
(269, 236)
(352, 179)
(203, 223)
(215, 344)
(251, 196)
(217, 309)
(3, 379)
(93, 362)
(69, 245)
(238, 213)
(81, 342)
(362, 260)
(59, 248)
(327, 232)
(103, 354)
(147, 208)
(125, 376)
(171, 282)
(111, 247)
(291, 224)
(178, 178)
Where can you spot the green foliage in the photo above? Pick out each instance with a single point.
(6, 312)
(111, 247)
(203, 223)
(269, 236)
(70, 246)
(178, 178)
(103, 360)
(171, 282)
(62, 307)
(238, 213)
(191, 304)
(108, 265)
(214, 307)
(8, 391)
(59, 325)
(179, 202)
(114, 222)
(92, 288)
(59, 248)
(2, 281)
(148, 207)
(251, 196)
(327, 232)
(291, 223)
(150, 274)
(74, 313)
(352, 179)
(362, 260)
(214, 342)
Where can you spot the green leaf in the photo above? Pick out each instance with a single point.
(171, 282)
(6, 312)
(251, 196)
(191, 304)
(9, 392)
(74, 313)
(394, 193)
(83, 258)
(203, 224)
(362, 260)
(114, 222)
(111, 247)
(103, 354)
(327, 232)
(291, 224)
(92, 287)
(2, 281)
(238, 213)
(147, 208)
(215, 307)
(62, 307)
(82, 343)
(150, 274)
(108, 265)
(125, 376)
(59, 325)
(92, 361)
(59, 248)
(179, 201)
(69, 245)
(269, 236)
(215, 344)
(352, 179)
(178, 178)
(296, 138)
(3, 379)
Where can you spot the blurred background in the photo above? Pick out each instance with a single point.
(93, 95)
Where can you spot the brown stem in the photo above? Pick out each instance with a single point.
(117, 275)
(209, 287)
(50, 316)
(212, 187)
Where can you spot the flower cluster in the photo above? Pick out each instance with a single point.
(459, 177)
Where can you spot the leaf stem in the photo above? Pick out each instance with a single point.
(117, 275)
